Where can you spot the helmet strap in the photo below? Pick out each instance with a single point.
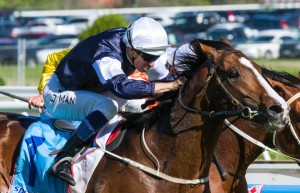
(131, 53)
(130, 43)
(129, 37)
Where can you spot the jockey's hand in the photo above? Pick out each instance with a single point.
(36, 101)
(162, 87)
(178, 83)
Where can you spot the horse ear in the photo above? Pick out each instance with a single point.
(225, 41)
(210, 52)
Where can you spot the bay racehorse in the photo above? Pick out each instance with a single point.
(182, 136)
(234, 154)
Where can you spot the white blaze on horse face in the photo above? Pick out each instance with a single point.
(265, 85)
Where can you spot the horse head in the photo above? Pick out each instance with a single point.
(288, 86)
(241, 82)
(234, 147)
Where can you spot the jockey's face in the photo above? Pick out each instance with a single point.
(141, 65)
(138, 61)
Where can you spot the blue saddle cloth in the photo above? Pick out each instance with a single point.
(31, 169)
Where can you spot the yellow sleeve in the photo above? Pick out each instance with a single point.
(50, 66)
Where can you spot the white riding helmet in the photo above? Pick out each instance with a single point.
(148, 36)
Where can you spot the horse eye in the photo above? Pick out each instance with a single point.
(279, 90)
(233, 73)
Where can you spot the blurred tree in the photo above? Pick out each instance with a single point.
(30, 4)
(91, 4)
(2, 82)
(104, 23)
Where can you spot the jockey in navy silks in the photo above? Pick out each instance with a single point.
(91, 82)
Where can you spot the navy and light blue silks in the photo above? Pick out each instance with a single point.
(30, 176)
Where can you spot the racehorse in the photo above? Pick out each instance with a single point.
(183, 140)
(234, 154)
(182, 137)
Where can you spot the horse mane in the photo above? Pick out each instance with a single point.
(282, 77)
(138, 121)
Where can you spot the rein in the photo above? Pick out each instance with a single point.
(152, 171)
(293, 98)
(254, 141)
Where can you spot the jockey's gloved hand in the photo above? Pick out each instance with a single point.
(179, 83)
(167, 95)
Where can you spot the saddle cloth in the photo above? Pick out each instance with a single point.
(40, 139)
(255, 188)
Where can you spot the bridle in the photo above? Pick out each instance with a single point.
(242, 111)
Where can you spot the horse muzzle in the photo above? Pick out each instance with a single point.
(278, 117)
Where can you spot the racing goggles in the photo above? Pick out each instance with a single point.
(147, 57)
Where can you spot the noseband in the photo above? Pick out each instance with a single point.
(243, 111)
(290, 101)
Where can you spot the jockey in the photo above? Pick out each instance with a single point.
(102, 64)
(50, 66)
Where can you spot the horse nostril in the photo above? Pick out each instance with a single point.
(275, 108)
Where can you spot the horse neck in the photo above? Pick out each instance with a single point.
(236, 153)
(191, 146)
